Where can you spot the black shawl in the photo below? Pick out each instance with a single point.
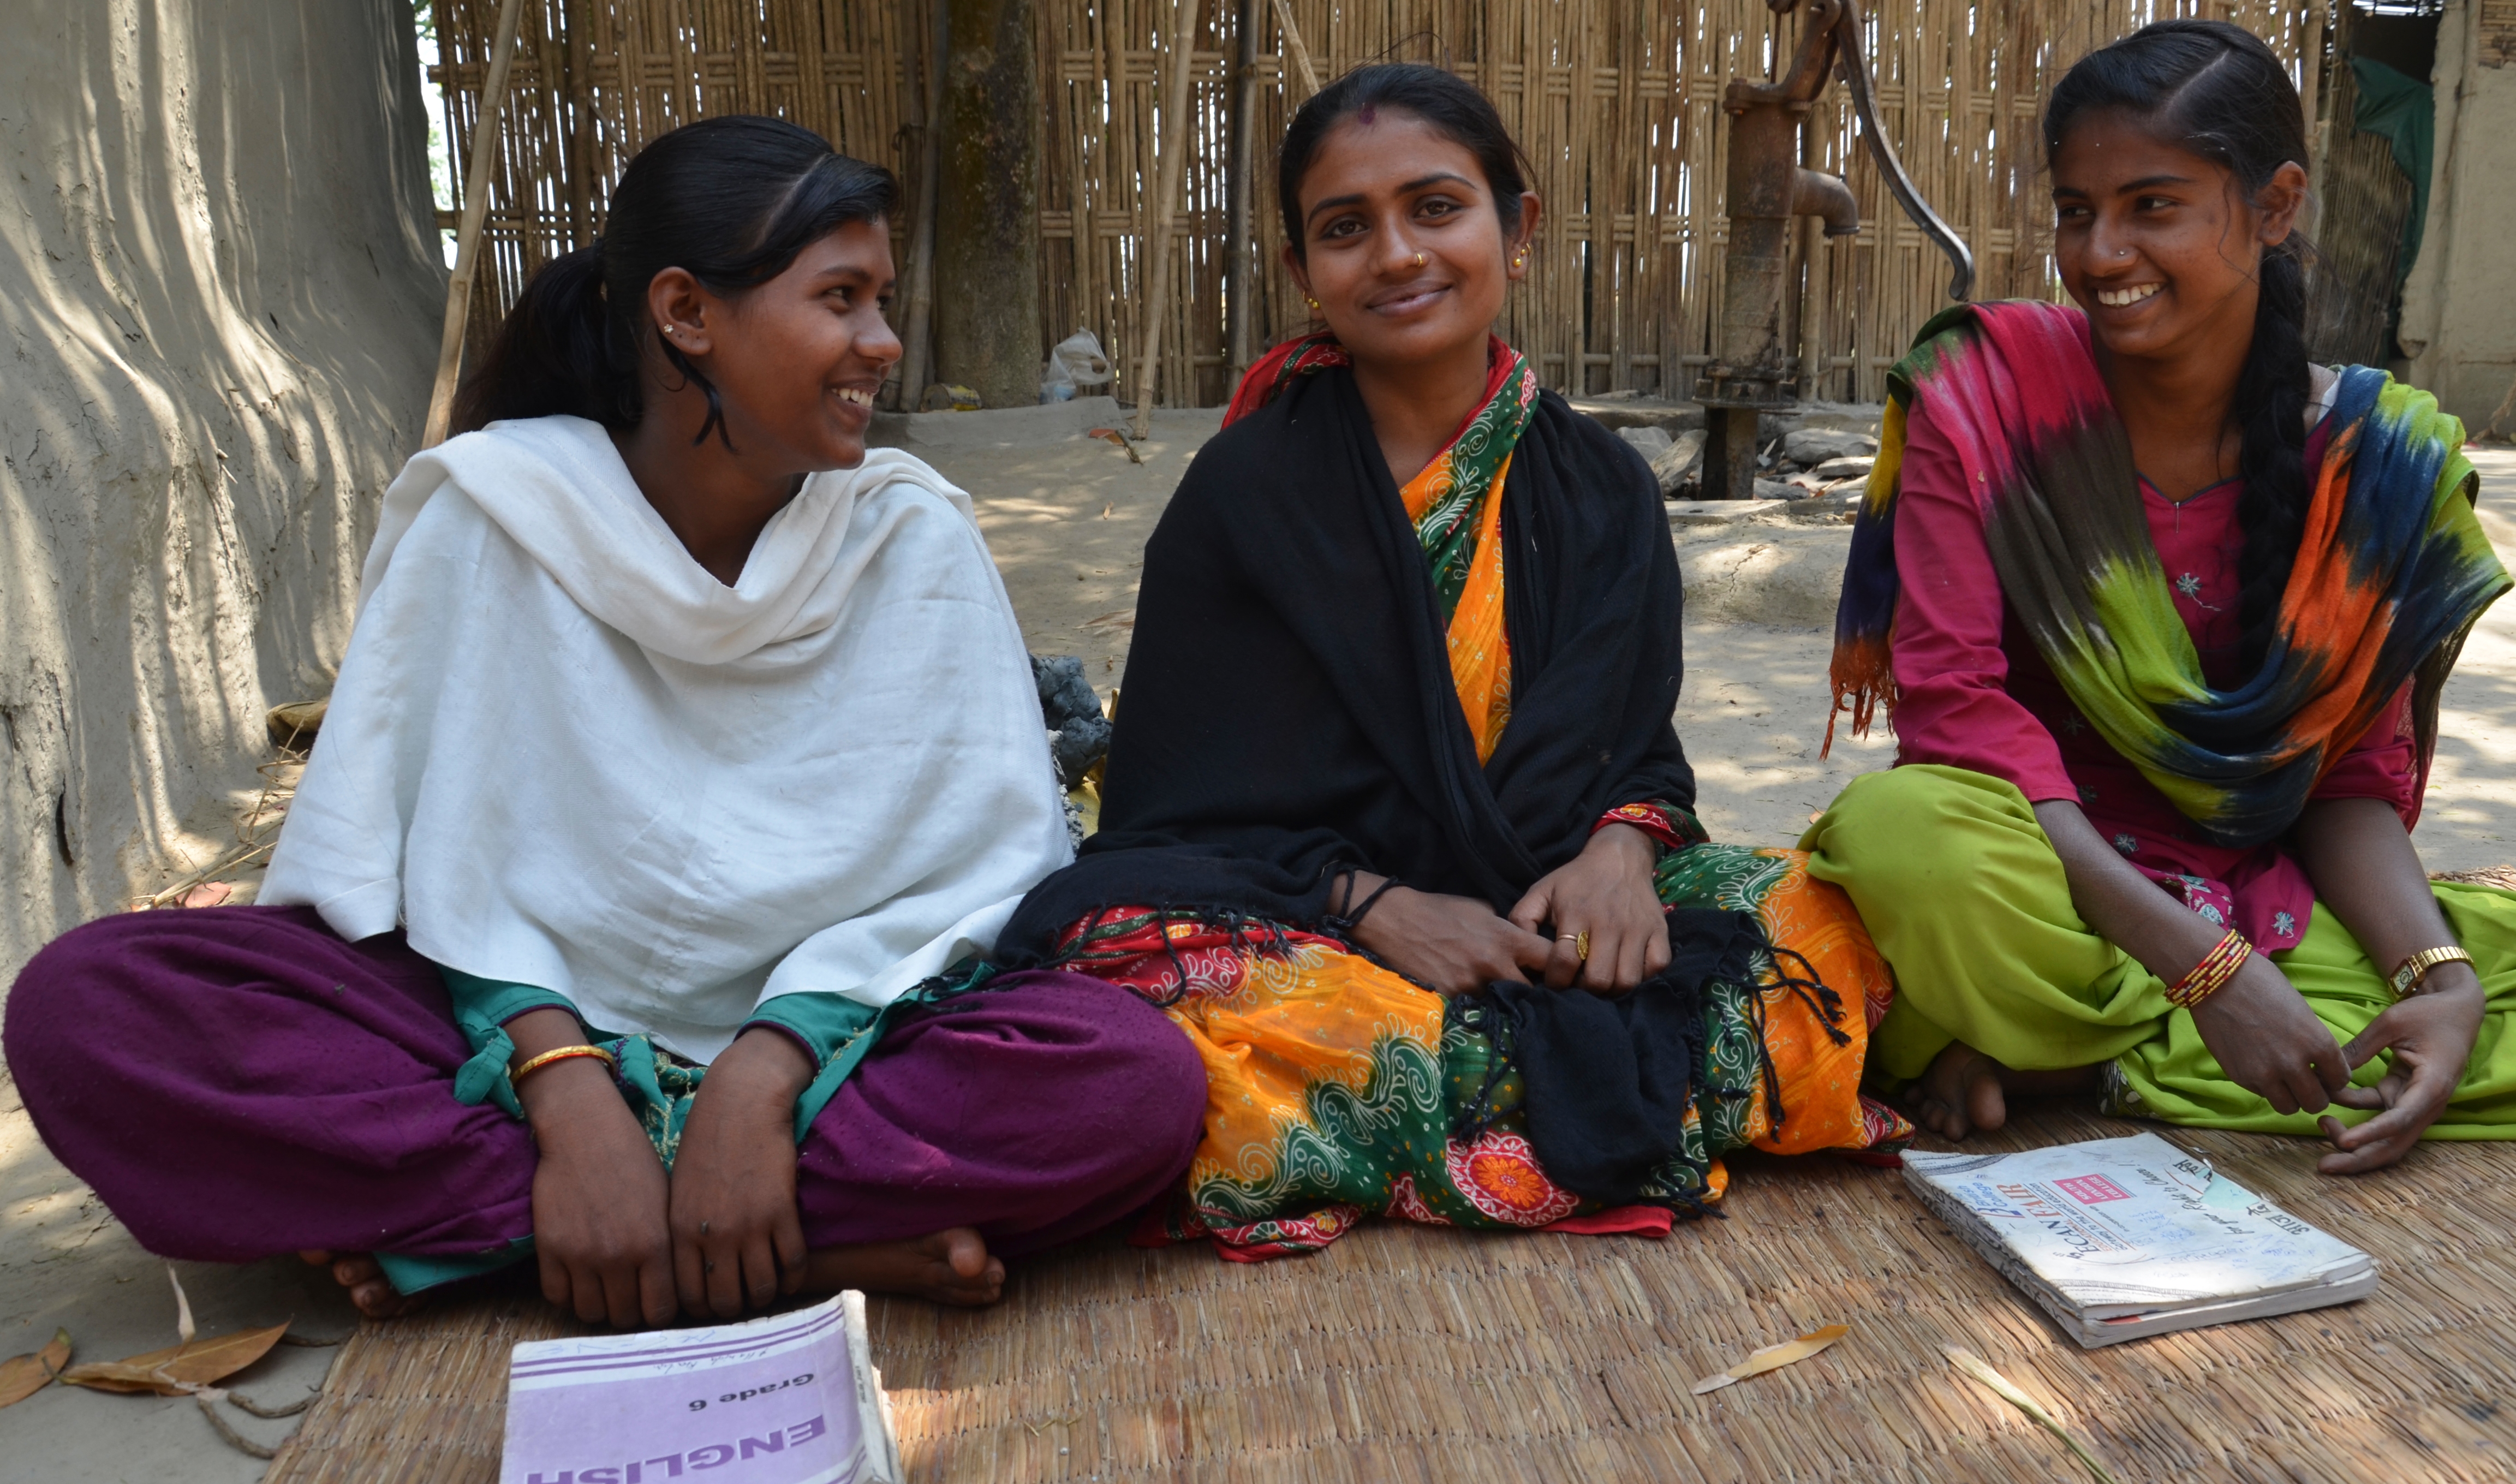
(1287, 709)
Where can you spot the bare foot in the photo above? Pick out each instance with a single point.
(947, 1267)
(364, 1278)
(1959, 1093)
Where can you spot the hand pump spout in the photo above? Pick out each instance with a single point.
(1827, 199)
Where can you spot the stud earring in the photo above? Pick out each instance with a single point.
(1519, 259)
(1313, 303)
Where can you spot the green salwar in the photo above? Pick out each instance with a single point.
(1969, 904)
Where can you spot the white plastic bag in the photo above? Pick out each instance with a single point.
(1078, 362)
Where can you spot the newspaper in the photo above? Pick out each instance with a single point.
(2117, 1239)
(790, 1399)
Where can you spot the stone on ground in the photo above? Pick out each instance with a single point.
(1812, 447)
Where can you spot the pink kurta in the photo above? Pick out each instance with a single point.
(1973, 692)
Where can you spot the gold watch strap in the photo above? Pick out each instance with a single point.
(2407, 979)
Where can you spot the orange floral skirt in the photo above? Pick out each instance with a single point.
(1334, 1084)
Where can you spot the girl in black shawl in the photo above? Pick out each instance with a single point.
(1394, 765)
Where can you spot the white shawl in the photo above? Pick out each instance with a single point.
(561, 753)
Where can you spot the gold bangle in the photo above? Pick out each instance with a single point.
(558, 1054)
(2407, 978)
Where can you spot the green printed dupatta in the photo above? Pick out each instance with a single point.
(2392, 568)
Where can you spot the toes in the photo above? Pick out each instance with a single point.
(973, 1292)
(966, 1254)
(1984, 1103)
(976, 1287)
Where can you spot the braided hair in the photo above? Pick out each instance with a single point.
(2217, 91)
(735, 200)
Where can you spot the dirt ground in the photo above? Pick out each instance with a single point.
(1067, 517)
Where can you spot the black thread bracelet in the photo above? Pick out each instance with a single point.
(1353, 920)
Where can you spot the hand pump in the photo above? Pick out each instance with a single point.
(1750, 372)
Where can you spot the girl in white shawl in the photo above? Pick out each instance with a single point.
(678, 735)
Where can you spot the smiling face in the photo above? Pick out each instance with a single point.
(2157, 244)
(797, 360)
(1403, 247)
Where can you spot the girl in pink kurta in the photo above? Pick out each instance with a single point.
(2161, 613)
(1972, 693)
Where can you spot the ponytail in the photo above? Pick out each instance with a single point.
(733, 202)
(554, 355)
(2216, 89)
(2269, 412)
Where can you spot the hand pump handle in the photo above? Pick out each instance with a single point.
(1856, 75)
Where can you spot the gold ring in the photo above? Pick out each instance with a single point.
(1580, 942)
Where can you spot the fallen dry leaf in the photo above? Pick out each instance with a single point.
(1112, 435)
(178, 1370)
(22, 1375)
(1773, 1357)
(2001, 1385)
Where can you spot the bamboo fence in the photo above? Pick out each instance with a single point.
(1617, 102)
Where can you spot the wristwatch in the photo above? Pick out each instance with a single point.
(2407, 979)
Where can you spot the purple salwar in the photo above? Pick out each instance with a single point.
(237, 1083)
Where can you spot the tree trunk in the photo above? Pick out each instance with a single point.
(986, 226)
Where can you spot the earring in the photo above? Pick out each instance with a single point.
(1313, 303)
(1519, 259)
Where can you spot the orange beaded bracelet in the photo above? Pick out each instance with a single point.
(2213, 973)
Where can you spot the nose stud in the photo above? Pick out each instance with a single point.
(1419, 260)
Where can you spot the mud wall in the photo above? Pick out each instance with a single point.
(219, 295)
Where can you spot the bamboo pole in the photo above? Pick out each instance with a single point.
(1240, 271)
(1293, 49)
(2310, 74)
(467, 237)
(1157, 230)
(919, 353)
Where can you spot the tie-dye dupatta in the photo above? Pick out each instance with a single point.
(2392, 568)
